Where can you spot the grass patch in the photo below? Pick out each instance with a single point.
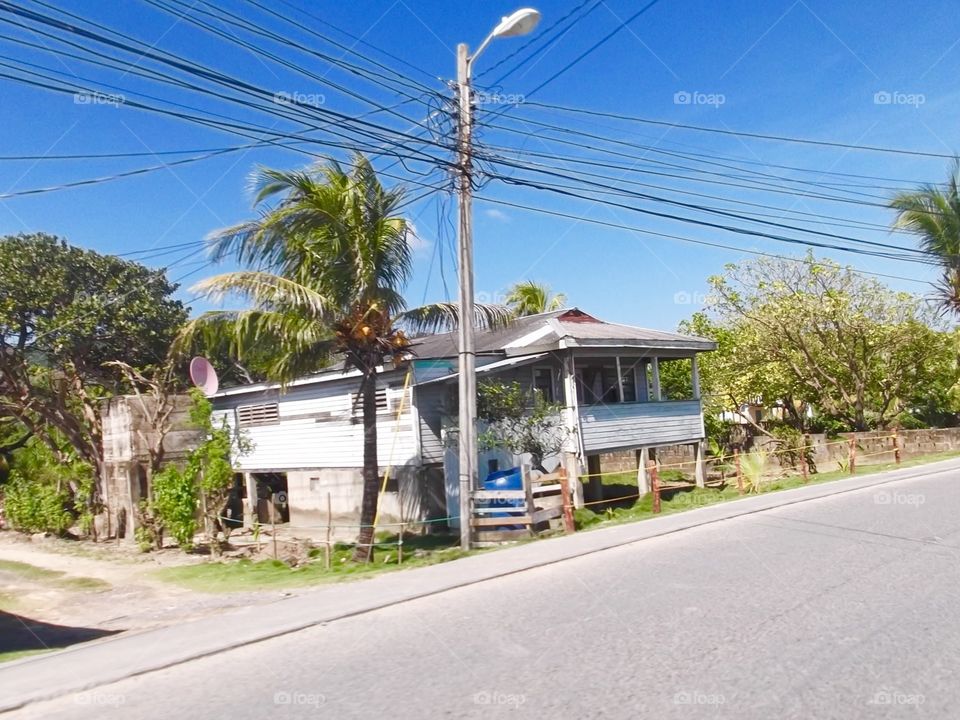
(616, 511)
(245, 574)
(54, 578)
(17, 654)
(8, 601)
(29, 572)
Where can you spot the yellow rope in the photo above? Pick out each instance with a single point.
(393, 447)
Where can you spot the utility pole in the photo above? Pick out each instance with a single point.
(518, 23)
(467, 357)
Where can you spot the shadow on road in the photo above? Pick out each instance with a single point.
(19, 633)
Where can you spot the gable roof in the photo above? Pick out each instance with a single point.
(555, 330)
(527, 335)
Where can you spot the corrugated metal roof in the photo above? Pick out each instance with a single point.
(572, 325)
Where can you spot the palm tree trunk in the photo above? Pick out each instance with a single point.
(371, 469)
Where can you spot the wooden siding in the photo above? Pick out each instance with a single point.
(430, 408)
(623, 425)
(319, 428)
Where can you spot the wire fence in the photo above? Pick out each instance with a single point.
(403, 528)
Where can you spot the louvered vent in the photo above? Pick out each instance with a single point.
(382, 403)
(264, 414)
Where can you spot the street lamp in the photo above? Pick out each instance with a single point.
(519, 23)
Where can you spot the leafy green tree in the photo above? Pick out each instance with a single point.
(64, 312)
(811, 333)
(933, 213)
(532, 298)
(327, 266)
(197, 489)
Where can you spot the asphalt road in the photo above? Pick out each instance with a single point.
(843, 607)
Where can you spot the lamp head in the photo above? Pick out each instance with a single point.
(521, 22)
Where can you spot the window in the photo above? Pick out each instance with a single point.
(676, 379)
(314, 484)
(265, 414)
(382, 401)
(543, 382)
(597, 384)
(598, 381)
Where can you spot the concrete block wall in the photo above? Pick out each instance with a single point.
(873, 447)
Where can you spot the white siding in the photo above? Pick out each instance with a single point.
(318, 428)
(624, 425)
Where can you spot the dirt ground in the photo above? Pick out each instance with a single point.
(69, 591)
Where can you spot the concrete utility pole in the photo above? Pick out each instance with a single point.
(519, 23)
(467, 356)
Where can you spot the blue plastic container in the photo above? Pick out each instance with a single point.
(504, 480)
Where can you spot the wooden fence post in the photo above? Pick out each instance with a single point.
(805, 452)
(736, 460)
(896, 446)
(568, 524)
(655, 483)
(329, 529)
(853, 455)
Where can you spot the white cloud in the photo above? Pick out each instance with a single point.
(417, 243)
(497, 215)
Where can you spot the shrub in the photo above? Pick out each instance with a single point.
(33, 506)
(753, 465)
(175, 504)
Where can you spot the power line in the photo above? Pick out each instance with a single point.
(668, 236)
(651, 149)
(740, 133)
(626, 23)
(192, 69)
(821, 219)
(756, 186)
(537, 38)
(705, 223)
(708, 209)
(357, 40)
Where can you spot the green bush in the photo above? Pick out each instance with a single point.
(33, 506)
(175, 504)
(908, 421)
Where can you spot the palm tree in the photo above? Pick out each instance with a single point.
(327, 264)
(933, 213)
(532, 298)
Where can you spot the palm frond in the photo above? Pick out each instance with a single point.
(532, 298)
(445, 317)
(266, 291)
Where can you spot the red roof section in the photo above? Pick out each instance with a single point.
(578, 316)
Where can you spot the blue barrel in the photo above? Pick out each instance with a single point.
(511, 479)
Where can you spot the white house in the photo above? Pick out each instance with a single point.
(307, 442)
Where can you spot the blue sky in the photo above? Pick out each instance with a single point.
(836, 71)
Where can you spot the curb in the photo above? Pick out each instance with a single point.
(108, 660)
